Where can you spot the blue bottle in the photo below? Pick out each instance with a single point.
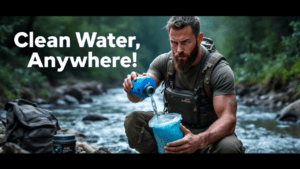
(143, 87)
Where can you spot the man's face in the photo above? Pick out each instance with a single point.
(184, 46)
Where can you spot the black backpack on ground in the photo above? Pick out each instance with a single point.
(30, 127)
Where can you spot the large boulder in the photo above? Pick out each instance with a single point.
(290, 112)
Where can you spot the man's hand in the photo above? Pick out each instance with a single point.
(127, 85)
(188, 144)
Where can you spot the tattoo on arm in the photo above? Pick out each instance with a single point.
(233, 104)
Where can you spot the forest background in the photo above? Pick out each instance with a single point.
(257, 48)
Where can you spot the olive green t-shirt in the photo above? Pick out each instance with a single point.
(221, 81)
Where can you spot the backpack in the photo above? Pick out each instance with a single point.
(30, 127)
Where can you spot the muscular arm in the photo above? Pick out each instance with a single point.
(225, 107)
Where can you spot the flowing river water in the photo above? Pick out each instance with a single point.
(259, 130)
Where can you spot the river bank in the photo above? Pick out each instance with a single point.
(65, 92)
(273, 95)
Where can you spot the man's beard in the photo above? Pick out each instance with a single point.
(183, 65)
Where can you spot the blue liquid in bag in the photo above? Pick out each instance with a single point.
(166, 129)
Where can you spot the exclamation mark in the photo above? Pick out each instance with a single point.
(134, 59)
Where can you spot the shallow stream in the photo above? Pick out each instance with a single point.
(259, 131)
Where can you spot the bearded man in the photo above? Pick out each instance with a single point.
(208, 125)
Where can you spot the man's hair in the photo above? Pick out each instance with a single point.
(179, 22)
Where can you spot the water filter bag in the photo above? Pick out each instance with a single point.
(166, 129)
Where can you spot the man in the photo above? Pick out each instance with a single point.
(210, 128)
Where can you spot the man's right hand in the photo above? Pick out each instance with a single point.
(127, 85)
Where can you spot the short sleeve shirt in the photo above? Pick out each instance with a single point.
(221, 81)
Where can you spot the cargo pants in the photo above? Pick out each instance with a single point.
(141, 137)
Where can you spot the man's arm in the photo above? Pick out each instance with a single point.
(225, 107)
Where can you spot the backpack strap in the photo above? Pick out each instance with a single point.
(206, 72)
(170, 76)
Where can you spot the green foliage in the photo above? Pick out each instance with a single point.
(284, 64)
(12, 79)
(257, 48)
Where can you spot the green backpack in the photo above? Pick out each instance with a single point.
(30, 127)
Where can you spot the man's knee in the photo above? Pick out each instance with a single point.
(131, 117)
(228, 145)
(132, 122)
(136, 119)
(138, 133)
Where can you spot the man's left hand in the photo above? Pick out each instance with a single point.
(188, 144)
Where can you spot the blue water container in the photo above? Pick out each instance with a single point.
(166, 129)
(143, 87)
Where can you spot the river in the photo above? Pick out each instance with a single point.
(259, 130)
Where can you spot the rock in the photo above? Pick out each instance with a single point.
(86, 99)
(2, 123)
(79, 136)
(290, 92)
(1, 139)
(278, 97)
(27, 94)
(269, 104)
(243, 92)
(11, 148)
(102, 150)
(75, 92)
(2, 130)
(94, 87)
(54, 96)
(40, 101)
(295, 97)
(290, 112)
(87, 122)
(60, 102)
(94, 117)
(248, 101)
(263, 97)
(254, 88)
(82, 148)
(279, 104)
(61, 89)
(70, 99)
(81, 90)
